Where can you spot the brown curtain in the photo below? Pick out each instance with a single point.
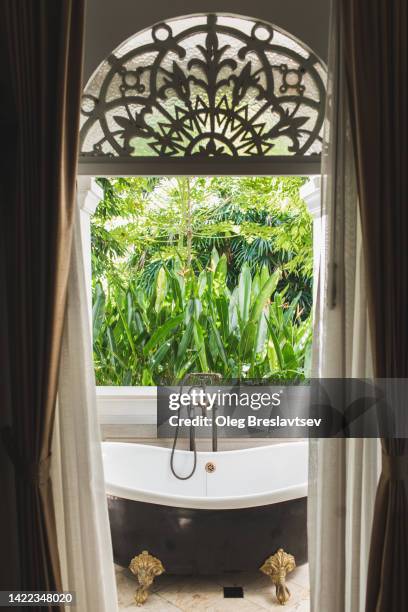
(376, 34)
(42, 58)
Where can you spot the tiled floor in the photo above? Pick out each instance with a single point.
(205, 594)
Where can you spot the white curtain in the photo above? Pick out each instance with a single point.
(343, 474)
(78, 481)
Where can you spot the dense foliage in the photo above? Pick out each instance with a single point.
(201, 275)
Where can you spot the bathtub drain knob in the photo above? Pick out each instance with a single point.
(210, 467)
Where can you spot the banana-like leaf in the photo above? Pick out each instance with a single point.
(128, 332)
(141, 299)
(193, 310)
(244, 293)
(184, 368)
(160, 354)
(222, 310)
(248, 340)
(233, 310)
(275, 340)
(264, 295)
(262, 331)
(198, 323)
(185, 344)
(289, 357)
(98, 310)
(202, 283)
(214, 259)
(138, 321)
(129, 308)
(264, 275)
(200, 346)
(220, 275)
(162, 332)
(219, 342)
(147, 379)
(161, 289)
(256, 285)
(290, 311)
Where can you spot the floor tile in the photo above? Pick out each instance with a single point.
(127, 585)
(205, 593)
(258, 589)
(203, 596)
(300, 576)
(153, 604)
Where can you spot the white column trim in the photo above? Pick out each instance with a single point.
(89, 194)
(310, 192)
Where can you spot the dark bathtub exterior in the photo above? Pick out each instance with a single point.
(190, 541)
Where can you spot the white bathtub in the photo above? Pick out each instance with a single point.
(242, 479)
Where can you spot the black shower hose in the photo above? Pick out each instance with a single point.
(192, 444)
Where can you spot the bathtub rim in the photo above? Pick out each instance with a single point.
(207, 503)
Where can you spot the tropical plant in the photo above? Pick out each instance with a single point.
(143, 222)
(196, 322)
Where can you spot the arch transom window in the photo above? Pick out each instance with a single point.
(209, 86)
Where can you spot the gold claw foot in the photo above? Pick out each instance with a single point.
(145, 567)
(277, 566)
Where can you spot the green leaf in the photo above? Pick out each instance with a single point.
(222, 310)
(264, 276)
(194, 309)
(247, 343)
(202, 283)
(262, 330)
(141, 298)
(160, 354)
(233, 310)
(244, 292)
(276, 344)
(129, 307)
(290, 311)
(220, 275)
(264, 295)
(184, 368)
(128, 332)
(214, 259)
(220, 345)
(161, 289)
(256, 285)
(98, 310)
(200, 346)
(162, 332)
(127, 379)
(289, 357)
(112, 345)
(185, 343)
(176, 289)
(140, 328)
(147, 379)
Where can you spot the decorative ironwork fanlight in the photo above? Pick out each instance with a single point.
(205, 86)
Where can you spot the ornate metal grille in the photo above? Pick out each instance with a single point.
(210, 86)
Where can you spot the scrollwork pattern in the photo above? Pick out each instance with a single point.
(209, 90)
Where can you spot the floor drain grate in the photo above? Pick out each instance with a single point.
(233, 592)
